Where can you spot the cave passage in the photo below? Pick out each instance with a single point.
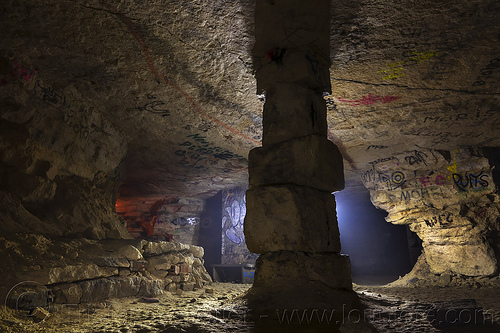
(379, 251)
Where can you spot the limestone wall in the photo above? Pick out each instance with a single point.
(59, 162)
(449, 199)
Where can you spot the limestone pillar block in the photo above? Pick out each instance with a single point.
(276, 20)
(292, 43)
(292, 111)
(293, 218)
(285, 269)
(308, 69)
(311, 161)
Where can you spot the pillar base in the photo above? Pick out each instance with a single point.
(287, 270)
(289, 284)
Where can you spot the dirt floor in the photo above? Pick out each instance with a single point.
(221, 308)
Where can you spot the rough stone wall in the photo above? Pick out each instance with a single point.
(60, 156)
(448, 198)
(53, 179)
(81, 270)
(178, 82)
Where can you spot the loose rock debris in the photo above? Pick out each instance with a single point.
(388, 309)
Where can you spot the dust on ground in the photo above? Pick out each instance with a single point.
(222, 308)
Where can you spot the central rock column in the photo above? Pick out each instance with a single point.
(291, 216)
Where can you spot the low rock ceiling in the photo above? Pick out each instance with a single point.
(175, 80)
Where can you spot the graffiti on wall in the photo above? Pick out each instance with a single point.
(168, 218)
(473, 181)
(18, 73)
(233, 214)
(370, 99)
(395, 70)
(234, 249)
(147, 55)
(376, 179)
(376, 147)
(421, 175)
(396, 177)
(477, 117)
(200, 154)
(330, 103)
(77, 120)
(154, 106)
(46, 93)
(486, 73)
(439, 136)
(441, 220)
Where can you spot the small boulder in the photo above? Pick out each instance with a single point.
(197, 251)
(130, 252)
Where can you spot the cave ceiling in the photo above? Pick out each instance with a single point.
(175, 80)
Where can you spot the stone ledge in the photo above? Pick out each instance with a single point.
(87, 270)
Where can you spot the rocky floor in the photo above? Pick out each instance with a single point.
(220, 308)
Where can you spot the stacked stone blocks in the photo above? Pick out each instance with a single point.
(291, 214)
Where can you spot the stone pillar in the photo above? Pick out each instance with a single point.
(291, 216)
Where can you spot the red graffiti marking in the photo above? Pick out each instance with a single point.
(18, 73)
(437, 181)
(149, 59)
(370, 99)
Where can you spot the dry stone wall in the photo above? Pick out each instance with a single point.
(81, 270)
(449, 199)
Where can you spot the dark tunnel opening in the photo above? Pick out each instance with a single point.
(379, 251)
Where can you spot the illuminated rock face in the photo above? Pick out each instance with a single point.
(291, 215)
(53, 182)
(448, 198)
